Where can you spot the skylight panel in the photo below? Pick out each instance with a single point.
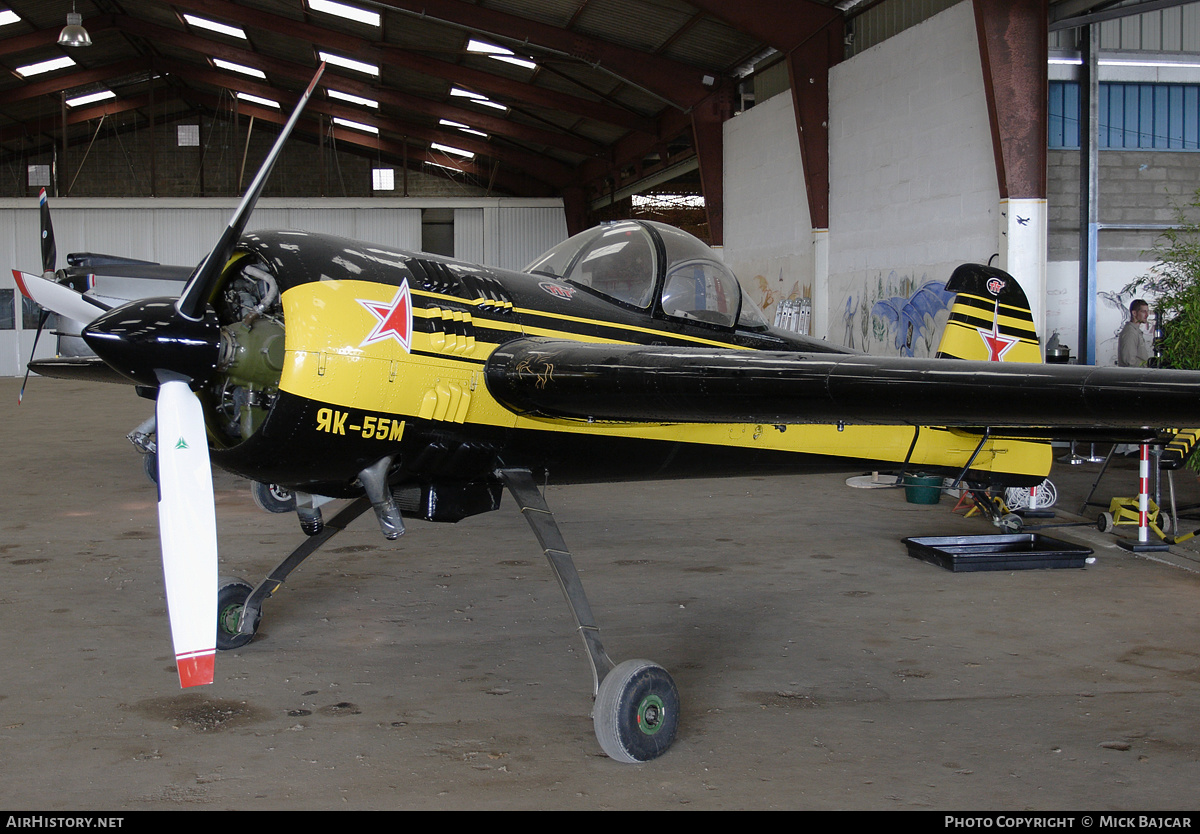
(450, 149)
(91, 98)
(44, 66)
(242, 68)
(342, 10)
(460, 126)
(477, 98)
(337, 120)
(253, 99)
(213, 26)
(349, 63)
(499, 53)
(353, 99)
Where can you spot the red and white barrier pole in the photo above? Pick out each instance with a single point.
(1144, 495)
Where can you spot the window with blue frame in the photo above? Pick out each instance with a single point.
(1150, 116)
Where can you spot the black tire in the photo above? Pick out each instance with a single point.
(637, 712)
(150, 465)
(231, 598)
(272, 498)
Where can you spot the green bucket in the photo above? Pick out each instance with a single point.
(922, 489)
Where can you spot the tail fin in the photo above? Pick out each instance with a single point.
(990, 318)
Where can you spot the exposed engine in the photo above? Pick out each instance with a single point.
(252, 341)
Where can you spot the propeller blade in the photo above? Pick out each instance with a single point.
(33, 352)
(49, 251)
(196, 294)
(187, 526)
(59, 298)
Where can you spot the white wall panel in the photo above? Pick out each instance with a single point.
(468, 235)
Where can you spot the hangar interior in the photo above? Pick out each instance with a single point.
(935, 133)
(842, 156)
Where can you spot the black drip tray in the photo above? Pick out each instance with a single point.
(1003, 551)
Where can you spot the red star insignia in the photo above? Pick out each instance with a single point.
(997, 344)
(394, 319)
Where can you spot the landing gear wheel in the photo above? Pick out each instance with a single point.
(272, 498)
(150, 465)
(636, 712)
(1104, 522)
(231, 598)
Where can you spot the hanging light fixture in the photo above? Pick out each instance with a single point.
(73, 34)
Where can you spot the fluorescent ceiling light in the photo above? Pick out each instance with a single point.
(337, 120)
(213, 26)
(91, 98)
(451, 149)
(475, 97)
(353, 99)
(349, 63)
(8, 16)
(464, 128)
(499, 53)
(447, 167)
(342, 10)
(1067, 61)
(266, 102)
(1132, 62)
(44, 66)
(242, 68)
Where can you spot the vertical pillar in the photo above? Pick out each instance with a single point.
(1089, 191)
(1013, 46)
(819, 325)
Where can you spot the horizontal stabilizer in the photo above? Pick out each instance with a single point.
(85, 368)
(639, 383)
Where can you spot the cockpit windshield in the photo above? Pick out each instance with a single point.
(615, 260)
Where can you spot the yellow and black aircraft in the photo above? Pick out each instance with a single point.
(422, 386)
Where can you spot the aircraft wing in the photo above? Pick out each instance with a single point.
(639, 383)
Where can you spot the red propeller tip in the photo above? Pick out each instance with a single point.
(196, 668)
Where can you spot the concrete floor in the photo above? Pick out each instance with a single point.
(820, 666)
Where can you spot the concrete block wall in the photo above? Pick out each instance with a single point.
(768, 233)
(914, 177)
(913, 187)
(1137, 187)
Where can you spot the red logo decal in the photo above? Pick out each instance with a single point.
(997, 344)
(558, 290)
(994, 285)
(394, 319)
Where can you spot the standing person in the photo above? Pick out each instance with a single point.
(1132, 350)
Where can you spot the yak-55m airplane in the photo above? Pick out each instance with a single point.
(418, 385)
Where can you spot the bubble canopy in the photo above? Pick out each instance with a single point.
(651, 266)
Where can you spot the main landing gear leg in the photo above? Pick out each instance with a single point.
(636, 712)
(234, 629)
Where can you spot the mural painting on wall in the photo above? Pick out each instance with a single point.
(896, 315)
(769, 297)
(1119, 302)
